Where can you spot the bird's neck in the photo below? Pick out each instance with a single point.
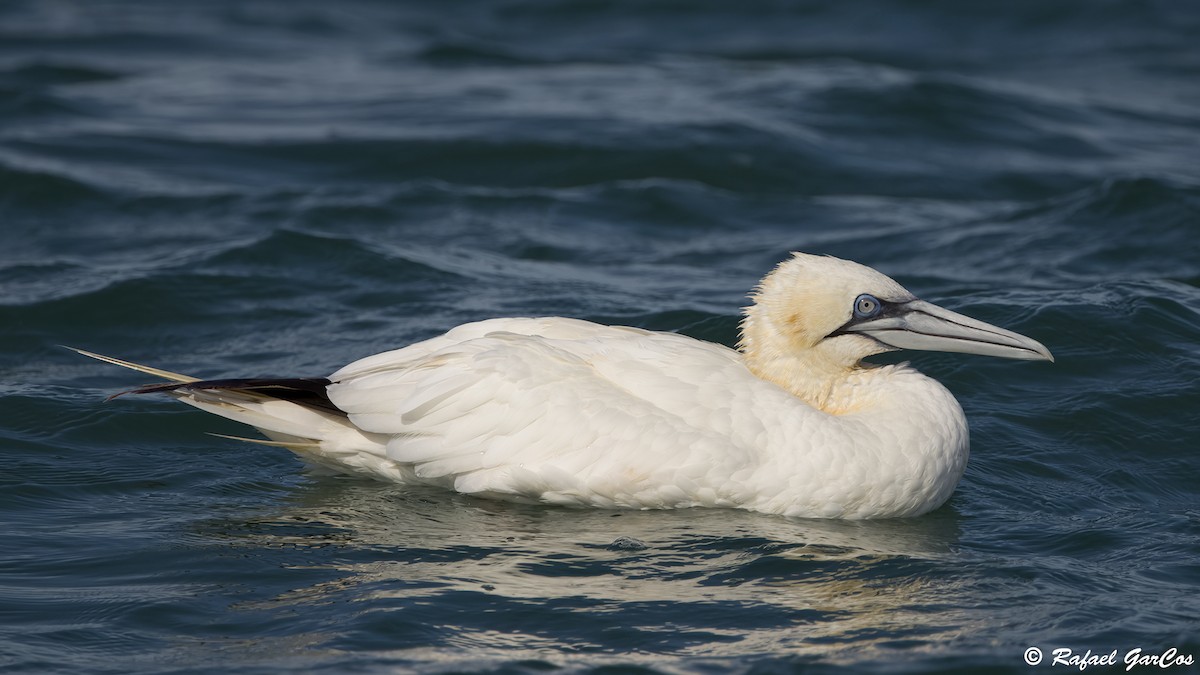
(822, 380)
(830, 388)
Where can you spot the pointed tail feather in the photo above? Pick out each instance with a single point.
(295, 413)
(306, 391)
(157, 372)
(296, 446)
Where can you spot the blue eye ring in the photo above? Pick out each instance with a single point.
(867, 306)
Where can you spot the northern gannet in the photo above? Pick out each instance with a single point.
(564, 411)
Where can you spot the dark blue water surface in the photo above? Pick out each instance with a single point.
(275, 188)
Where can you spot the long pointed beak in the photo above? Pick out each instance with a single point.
(917, 324)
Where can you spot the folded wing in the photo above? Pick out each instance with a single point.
(564, 411)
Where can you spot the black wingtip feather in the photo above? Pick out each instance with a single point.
(307, 391)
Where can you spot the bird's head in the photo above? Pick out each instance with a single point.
(830, 314)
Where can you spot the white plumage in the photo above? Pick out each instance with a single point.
(564, 411)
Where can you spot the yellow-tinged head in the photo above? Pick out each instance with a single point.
(815, 317)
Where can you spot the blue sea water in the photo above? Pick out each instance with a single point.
(278, 188)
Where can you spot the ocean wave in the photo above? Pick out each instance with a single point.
(21, 105)
(1131, 224)
(31, 189)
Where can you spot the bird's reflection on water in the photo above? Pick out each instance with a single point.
(515, 581)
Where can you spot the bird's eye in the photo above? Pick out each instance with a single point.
(866, 306)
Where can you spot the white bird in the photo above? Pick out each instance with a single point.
(563, 411)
